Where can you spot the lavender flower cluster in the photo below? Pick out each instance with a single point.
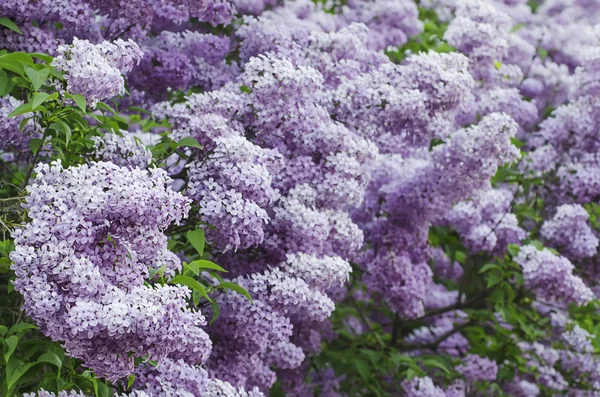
(81, 261)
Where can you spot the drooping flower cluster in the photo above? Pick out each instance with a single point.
(82, 259)
(390, 23)
(498, 58)
(233, 187)
(487, 224)
(95, 71)
(31, 39)
(123, 149)
(171, 378)
(44, 393)
(257, 192)
(476, 368)
(551, 277)
(12, 137)
(422, 387)
(413, 192)
(568, 231)
(178, 61)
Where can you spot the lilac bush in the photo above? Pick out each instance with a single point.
(299, 198)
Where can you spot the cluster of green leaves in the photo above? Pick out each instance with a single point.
(430, 39)
(191, 275)
(372, 358)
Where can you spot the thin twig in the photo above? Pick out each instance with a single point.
(434, 345)
(34, 160)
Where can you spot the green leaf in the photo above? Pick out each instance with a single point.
(205, 264)
(193, 267)
(373, 356)
(44, 57)
(487, 267)
(216, 311)
(13, 66)
(63, 128)
(431, 362)
(37, 77)
(196, 296)
(460, 256)
(10, 344)
(153, 272)
(103, 390)
(20, 327)
(79, 100)
(508, 291)
(15, 369)
(6, 22)
(494, 278)
(51, 358)
(513, 249)
(89, 377)
(518, 143)
(3, 329)
(236, 288)
(130, 381)
(3, 82)
(189, 141)
(35, 144)
(139, 109)
(39, 98)
(196, 238)
(517, 27)
(191, 283)
(103, 106)
(363, 369)
(20, 57)
(24, 108)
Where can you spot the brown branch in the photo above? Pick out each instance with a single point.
(456, 306)
(434, 345)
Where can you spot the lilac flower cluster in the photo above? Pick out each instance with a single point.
(568, 230)
(95, 71)
(390, 23)
(497, 57)
(12, 137)
(409, 194)
(551, 276)
(44, 393)
(123, 149)
(544, 358)
(99, 20)
(31, 39)
(422, 387)
(476, 368)
(81, 261)
(486, 223)
(233, 187)
(178, 61)
(285, 191)
(170, 378)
